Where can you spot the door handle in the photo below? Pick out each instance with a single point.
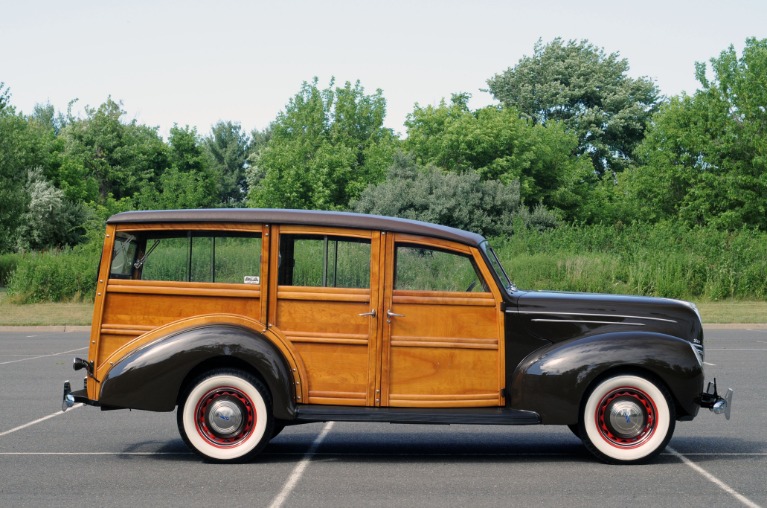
(390, 314)
(372, 313)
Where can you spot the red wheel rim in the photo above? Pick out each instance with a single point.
(626, 417)
(225, 416)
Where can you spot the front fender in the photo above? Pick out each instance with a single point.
(151, 377)
(553, 380)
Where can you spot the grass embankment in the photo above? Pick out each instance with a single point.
(43, 314)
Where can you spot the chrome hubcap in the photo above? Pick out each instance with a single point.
(626, 419)
(225, 417)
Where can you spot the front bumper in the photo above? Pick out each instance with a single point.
(717, 404)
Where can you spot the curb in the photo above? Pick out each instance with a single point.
(53, 329)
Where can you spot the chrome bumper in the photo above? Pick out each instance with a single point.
(712, 400)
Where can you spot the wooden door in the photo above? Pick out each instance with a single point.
(325, 300)
(442, 327)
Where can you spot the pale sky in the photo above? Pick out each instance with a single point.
(196, 62)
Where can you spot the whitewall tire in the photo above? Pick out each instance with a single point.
(627, 419)
(225, 416)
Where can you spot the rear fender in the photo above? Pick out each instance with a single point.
(152, 376)
(553, 380)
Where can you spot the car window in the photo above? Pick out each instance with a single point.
(185, 256)
(324, 261)
(429, 269)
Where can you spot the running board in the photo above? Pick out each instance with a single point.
(442, 416)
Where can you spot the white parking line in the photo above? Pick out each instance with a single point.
(713, 479)
(44, 356)
(298, 471)
(35, 422)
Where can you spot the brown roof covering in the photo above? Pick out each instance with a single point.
(305, 217)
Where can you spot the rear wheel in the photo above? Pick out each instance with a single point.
(225, 416)
(627, 419)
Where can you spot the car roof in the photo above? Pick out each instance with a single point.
(302, 217)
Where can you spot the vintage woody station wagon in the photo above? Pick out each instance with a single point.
(250, 320)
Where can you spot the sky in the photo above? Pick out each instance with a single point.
(195, 63)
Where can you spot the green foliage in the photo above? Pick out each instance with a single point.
(189, 182)
(323, 149)
(8, 264)
(227, 147)
(705, 157)
(430, 194)
(667, 259)
(589, 91)
(49, 219)
(106, 157)
(498, 145)
(55, 276)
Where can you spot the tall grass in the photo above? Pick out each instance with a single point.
(56, 276)
(658, 260)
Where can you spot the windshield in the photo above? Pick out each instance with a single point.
(497, 268)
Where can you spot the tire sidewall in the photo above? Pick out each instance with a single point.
(242, 450)
(654, 444)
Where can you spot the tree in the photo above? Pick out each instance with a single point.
(589, 91)
(705, 156)
(25, 144)
(499, 145)
(189, 182)
(431, 194)
(49, 220)
(5, 96)
(106, 157)
(227, 147)
(323, 149)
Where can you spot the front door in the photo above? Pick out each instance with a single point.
(442, 327)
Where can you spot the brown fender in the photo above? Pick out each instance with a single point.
(152, 376)
(553, 380)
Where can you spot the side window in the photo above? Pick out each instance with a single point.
(324, 261)
(123, 256)
(185, 256)
(426, 269)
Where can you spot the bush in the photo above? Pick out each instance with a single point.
(8, 264)
(56, 276)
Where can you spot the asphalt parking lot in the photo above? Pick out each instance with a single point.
(122, 458)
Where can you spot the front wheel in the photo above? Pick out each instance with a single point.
(627, 419)
(225, 416)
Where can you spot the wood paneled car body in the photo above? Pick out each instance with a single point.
(250, 320)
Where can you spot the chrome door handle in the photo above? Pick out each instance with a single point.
(390, 314)
(372, 313)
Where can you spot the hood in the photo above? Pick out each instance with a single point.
(556, 317)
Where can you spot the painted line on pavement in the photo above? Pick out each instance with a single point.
(298, 471)
(39, 420)
(44, 356)
(713, 479)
